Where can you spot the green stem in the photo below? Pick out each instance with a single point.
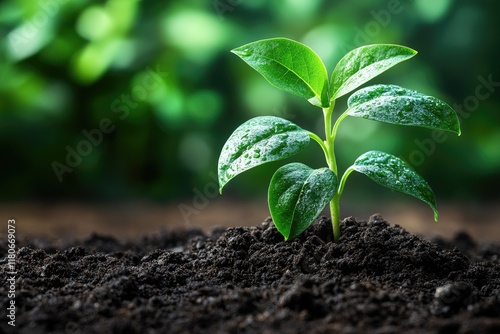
(340, 189)
(330, 134)
(330, 155)
(334, 203)
(321, 143)
(336, 125)
(335, 216)
(335, 207)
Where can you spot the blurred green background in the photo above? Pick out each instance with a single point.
(157, 80)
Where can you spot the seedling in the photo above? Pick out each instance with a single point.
(297, 193)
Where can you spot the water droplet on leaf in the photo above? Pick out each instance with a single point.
(245, 53)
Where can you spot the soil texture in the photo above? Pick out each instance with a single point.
(377, 279)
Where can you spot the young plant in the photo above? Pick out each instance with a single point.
(297, 193)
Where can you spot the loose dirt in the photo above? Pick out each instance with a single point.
(377, 279)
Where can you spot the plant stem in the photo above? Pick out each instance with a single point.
(330, 134)
(335, 216)
(336, 125)
(321, 143)
(330, 154)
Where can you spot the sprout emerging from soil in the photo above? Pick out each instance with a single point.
(297, 193)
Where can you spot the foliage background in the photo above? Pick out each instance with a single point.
(68, 64)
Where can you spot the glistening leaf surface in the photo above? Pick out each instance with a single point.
(290, 66)
(364, 63)
(393, 173)
(297, 195)
(258, 141)
(397, 105)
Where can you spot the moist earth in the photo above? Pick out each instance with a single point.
(377, 279)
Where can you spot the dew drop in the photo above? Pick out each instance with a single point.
(245, 53)
(365, 116)
(256, 155)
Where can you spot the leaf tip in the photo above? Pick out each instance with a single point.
(410, 51)
(221, 185)
(242, 53)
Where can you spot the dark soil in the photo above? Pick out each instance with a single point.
(378, 279)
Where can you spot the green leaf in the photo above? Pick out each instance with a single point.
(290, 66)
(391, 172)
(397, 105)
(297, 195)
(364, 63)
(258, 141)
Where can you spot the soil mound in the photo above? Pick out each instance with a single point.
(377, 279)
